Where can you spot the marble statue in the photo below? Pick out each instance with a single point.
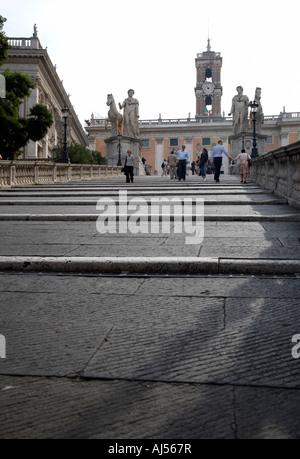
(131, 115)
(239, 112)
(259, 114)
(114, 117)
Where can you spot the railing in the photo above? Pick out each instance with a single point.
(20, 42)
(279, 171)
(168, 121)
(25, 43)
(14, 173)
(199, 120)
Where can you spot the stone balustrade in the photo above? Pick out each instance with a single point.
(18, 173)
(283, 117)
(20, 42)
(279, 171)
(103, 123)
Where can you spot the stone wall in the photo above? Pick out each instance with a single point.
(20, 173)
(279, 171)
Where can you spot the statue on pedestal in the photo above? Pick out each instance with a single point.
(131, 115)
(259, 114)
(239, 111)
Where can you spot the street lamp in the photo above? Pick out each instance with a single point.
(254, 107)
(65, 115)
(119, 150)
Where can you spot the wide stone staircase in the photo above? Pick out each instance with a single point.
(122, 329)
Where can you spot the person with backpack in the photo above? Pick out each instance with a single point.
(203, 163)
(164, 168)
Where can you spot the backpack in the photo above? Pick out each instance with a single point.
(162, 164)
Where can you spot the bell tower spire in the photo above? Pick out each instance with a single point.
(208, 89)
(208, 45)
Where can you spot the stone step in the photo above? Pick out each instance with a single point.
(293, 217)
(207, 202)
(149, 265)
(129, 186)
(140, 192)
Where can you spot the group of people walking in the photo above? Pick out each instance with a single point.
(178, 162)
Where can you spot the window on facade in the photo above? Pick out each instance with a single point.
(208, 101)
(146, 143)
(270, 140)
(206, 141)
(174, 143)
(208, 74)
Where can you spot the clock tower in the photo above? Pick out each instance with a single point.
(208, 90)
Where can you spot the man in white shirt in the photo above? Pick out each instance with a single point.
(183, 159)
(217, 157)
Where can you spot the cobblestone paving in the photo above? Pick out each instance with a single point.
(150, 357)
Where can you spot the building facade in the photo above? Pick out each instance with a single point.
(27, 55)
(161, 136)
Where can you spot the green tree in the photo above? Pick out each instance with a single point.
(98, 158)
(16, 131)
(38, 122)
(78, 154)
(4, 46)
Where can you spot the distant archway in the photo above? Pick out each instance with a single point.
(208, 101)
(208, 73)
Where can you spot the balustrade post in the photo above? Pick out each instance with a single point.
(36, 173)
(54, 172)
(12, 174)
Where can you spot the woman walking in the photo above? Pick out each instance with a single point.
(243, 157)
(203, 163)
(128, 169)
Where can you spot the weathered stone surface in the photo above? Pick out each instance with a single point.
(166, 354)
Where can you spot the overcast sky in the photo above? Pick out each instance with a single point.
(102, 47)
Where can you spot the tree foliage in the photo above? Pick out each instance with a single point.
(4, 46)
(78, 154)
(17, 131)
(38, 122)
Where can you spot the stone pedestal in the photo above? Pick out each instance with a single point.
(126, 143)
(244, 140)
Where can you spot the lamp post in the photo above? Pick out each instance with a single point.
(119, 150)
(254, 107)
(65, 115)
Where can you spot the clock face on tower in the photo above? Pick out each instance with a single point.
(208, 88)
